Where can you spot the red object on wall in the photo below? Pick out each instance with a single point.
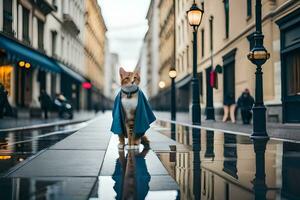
(212, 78)
(86, 85)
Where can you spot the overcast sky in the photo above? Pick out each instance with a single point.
(126, 24)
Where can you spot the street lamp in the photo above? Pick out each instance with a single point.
(194, 17)
(258, 56)
(172, 75)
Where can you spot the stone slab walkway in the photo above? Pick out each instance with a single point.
(85, 164)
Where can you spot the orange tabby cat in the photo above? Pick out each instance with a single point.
(129, 99)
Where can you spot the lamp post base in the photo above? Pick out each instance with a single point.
(210, 113)
(259, 122)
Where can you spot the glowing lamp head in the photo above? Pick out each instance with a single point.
(172, 73)
(87, 85)
(27, 65)
(161, 84)
(21, 63)
(195, 15)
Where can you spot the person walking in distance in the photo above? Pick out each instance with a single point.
(229, 107)
(245, 103)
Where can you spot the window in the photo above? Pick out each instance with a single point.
(226, 8)
(7, 17)
(211, 33)
(249, 8)
(26, 26)
(53, 41)
(292, 60)
(202, 42)
(40, 34)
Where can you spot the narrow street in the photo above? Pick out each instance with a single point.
(149, 99)
(184, 164)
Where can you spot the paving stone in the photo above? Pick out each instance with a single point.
(67, 188)
(55, 163)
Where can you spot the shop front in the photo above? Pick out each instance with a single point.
(71, 85)
(290, 66)
(19, 65)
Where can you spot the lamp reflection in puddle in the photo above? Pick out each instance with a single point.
(131, 175)
(259, 183)
(173, 131)
(196, 133)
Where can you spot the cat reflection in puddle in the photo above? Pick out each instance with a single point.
(131, 175)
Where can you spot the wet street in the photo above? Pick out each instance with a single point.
(226, 166)
(183, 163)
(16, 146)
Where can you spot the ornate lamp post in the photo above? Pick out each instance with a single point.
(172, 75)
(258, 56)
(194, 17)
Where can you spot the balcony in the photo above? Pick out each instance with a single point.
(44, 6)
(69, 24)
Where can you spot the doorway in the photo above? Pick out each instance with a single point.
(290, 66)
(229, 78)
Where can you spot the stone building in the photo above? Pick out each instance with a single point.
(166, 39)
(152, 41)
(184, 50)
(224, 40)
(166, 51)
(48, 35)
(233, 24)
(142, 67)
(94, 46)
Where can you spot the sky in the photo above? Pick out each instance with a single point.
(126, 24)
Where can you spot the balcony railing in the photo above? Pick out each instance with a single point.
(44, 6)
(70, 24)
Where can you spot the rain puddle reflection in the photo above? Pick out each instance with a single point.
(227, 166)
(17, 146)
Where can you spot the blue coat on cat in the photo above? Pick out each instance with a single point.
(143, 116)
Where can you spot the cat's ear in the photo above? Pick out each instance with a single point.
(122, 72)
(137, 71)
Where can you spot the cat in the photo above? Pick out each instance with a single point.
(129, 99)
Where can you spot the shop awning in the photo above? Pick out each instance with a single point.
(184, 81)
(71, 73)
(18, 52)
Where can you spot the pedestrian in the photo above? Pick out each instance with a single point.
(5, 108)
(245, 103)
(229, 107)
(46, 103)
(2, 100)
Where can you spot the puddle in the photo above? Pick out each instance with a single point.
(227, 166)
(17, 146)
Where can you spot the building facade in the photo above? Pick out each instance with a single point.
(24, 39)
(232, 24)
(183, 55)
(49, 36)
(225, 37)
(166, 40)
(166, 52)
(152, 41)
(94, 45)
(142, 67)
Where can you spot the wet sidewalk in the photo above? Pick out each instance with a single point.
(88, 165)
(21, 123)
(274, 130)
